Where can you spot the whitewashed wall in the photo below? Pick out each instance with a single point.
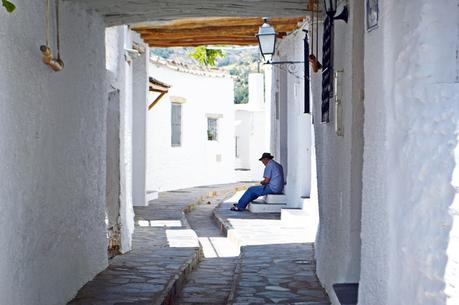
(195, 162)
(140, 67)
(243, 125)
(250, 130)
(289, 88)
(119, 66)
(269, 111)
(411, 126)
(52, 157)
(452, 266)
(339, 159)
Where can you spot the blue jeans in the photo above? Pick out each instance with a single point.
(253, 193)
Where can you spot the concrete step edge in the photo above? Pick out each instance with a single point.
(176, 284)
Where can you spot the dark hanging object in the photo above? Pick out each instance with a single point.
(306, 73)
(315, 64)
(327, 68)
(313, 60)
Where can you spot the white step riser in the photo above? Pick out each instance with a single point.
(275, 198)
(266, 208)
(151, 196)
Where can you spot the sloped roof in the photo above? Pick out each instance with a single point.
(156, 85)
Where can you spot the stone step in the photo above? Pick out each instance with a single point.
(210, 282)
(151, 195)
(165, 252)
(275, 198)
(276, 265)
(259, 206)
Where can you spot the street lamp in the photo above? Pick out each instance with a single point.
(267, 40)
(330, 9)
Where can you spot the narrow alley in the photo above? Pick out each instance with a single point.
(130, 128)
(189, 248)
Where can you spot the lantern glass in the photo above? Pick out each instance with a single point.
(267, 40)
(330, 6)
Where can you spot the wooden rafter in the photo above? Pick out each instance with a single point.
(198, 42)
(197, 23)
(160, 87)
(211, 31)
(156, 100)
(194, 43)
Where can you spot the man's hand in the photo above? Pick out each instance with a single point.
(265, 181)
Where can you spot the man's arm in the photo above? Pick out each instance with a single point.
(265, 181)
(267, 175)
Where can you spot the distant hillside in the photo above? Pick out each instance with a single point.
(238, 61)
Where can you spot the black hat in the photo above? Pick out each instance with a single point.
(266, 155)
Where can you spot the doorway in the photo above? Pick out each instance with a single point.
(113, 174)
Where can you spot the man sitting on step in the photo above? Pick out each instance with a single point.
(273, 183)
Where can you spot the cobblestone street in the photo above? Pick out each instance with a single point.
(190, 249)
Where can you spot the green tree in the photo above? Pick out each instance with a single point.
(206, 56)
(241, 85)
(9, 7)
(241, 93)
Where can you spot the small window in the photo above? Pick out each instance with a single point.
(176, 124)
(212, 129)
(236, 150)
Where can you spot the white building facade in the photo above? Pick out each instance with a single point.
(250, 131)
(387, 200)
(190, 134)
(290, 127)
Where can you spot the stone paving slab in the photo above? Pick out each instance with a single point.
(277, 274)
(246, 228)
(276, 265)
(210, 283)
(165, 250)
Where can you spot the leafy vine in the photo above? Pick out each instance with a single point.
(9, 7)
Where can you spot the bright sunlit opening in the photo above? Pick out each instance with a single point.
(160, 223)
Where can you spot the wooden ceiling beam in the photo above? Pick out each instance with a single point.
(198, 23)
(210, 40)
(194, 38)
(194, 43)
(215, 28)
(213, 33)
(191, 45)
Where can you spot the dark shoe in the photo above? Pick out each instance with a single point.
(236, 209)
